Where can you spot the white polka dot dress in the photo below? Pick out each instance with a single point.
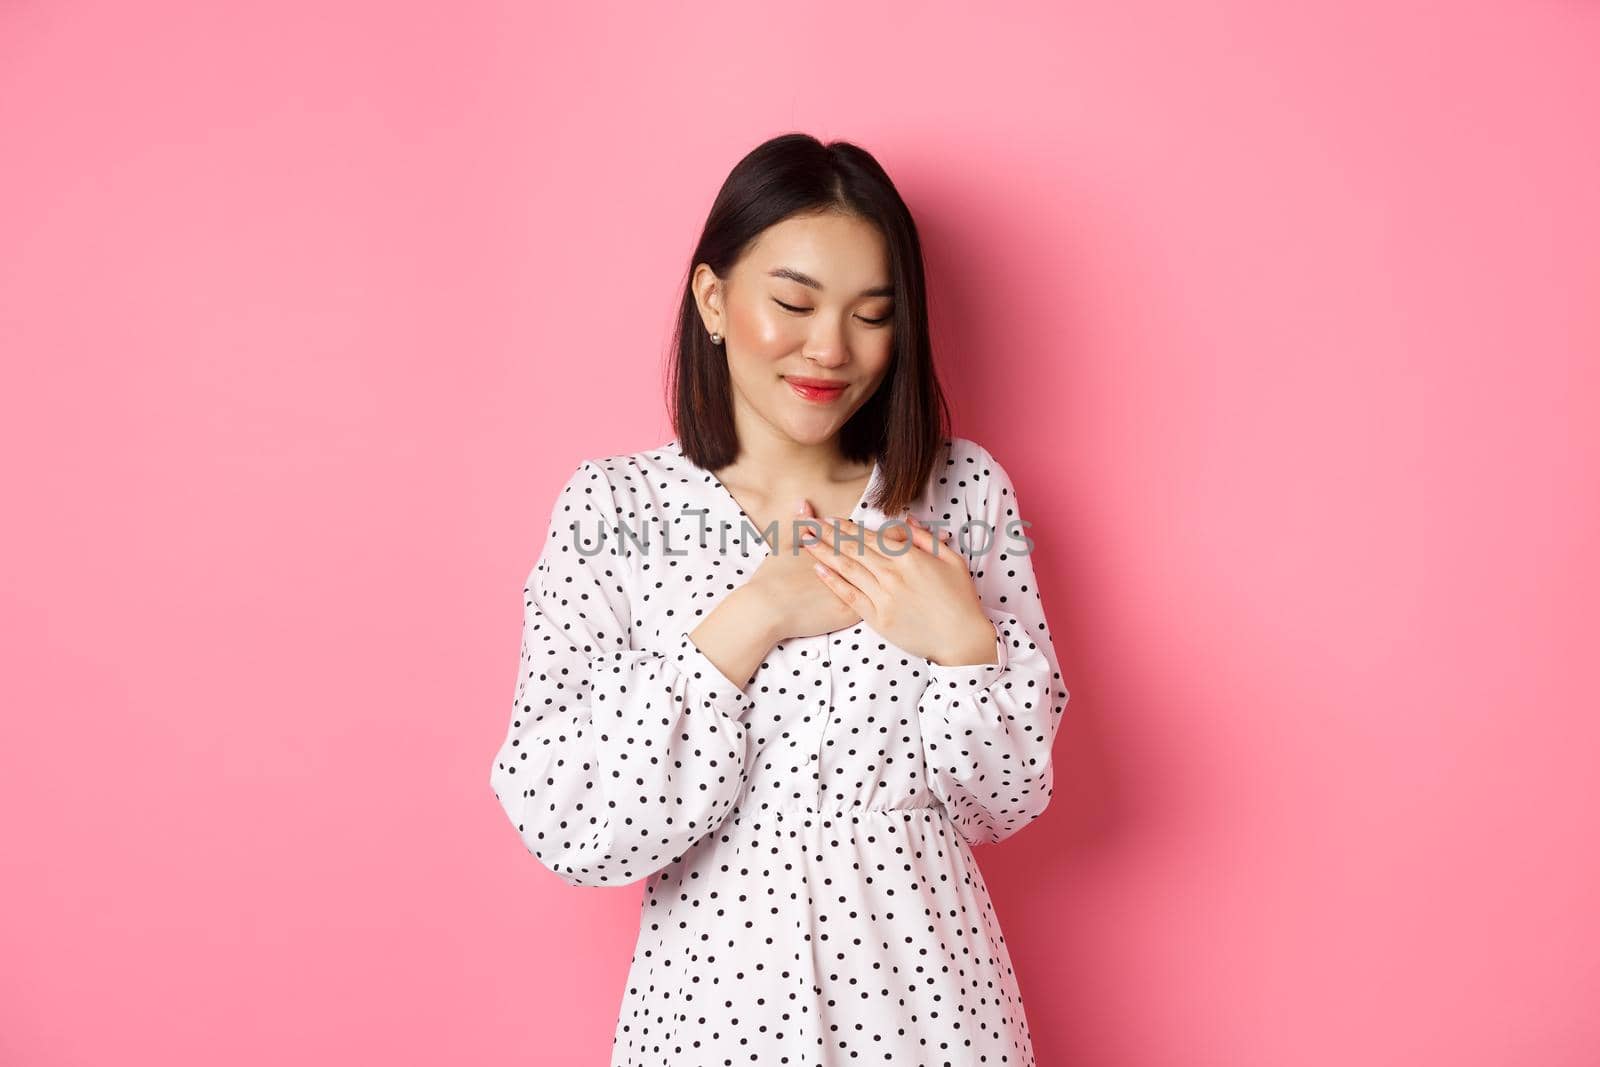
(811, 896)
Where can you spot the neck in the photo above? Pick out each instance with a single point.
(780, 466)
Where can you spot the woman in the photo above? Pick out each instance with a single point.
(746, 681)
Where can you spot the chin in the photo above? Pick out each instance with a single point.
(811, 431)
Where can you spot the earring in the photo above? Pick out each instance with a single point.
(716, 338)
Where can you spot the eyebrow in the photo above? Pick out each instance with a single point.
(807, 280)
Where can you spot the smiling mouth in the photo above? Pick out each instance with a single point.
(814, 391)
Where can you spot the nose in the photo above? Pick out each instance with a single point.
(827, 347)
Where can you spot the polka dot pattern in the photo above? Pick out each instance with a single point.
(811, 896)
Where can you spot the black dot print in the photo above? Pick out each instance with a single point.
(811, 895)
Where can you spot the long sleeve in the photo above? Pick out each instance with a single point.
(617, 760)
(987, 728)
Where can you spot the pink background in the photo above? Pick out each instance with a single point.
(1284, 319)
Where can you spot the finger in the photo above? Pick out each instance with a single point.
(861, 548)
(944, 534)
(896, 533)
(924, 538)
(871, 541)
(802, 532)
(846, 564)
(842, 589)
(948, 547)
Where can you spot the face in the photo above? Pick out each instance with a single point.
(807, 324)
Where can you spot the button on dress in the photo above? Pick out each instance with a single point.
(811, 895)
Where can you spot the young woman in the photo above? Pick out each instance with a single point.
(789, 667)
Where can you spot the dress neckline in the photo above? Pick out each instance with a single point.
(857, 513)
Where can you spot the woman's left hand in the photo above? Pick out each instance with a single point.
(920, 597)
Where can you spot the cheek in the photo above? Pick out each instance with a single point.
(877, 353)
(764, 334)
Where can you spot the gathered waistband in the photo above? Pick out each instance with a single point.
(826, 815)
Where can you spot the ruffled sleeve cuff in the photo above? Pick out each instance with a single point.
(956, 679)
(707, 681)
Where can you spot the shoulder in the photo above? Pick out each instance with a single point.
(626, 476)
(585, 492)
(973, 470)
(640, 462)
(607, 494)
(967, 457)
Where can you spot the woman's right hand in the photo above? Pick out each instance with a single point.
(784, 598)
(800, 603)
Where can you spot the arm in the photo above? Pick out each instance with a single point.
(987, 728)
(617, 760)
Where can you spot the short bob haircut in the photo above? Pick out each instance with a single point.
(905, 422)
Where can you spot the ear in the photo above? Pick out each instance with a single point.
(707, 289)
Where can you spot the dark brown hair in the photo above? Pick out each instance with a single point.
(906, 421)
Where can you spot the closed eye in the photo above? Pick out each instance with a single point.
(800, 310)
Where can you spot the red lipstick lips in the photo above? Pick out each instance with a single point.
(816, 390)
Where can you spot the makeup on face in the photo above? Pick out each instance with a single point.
(815, 390)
